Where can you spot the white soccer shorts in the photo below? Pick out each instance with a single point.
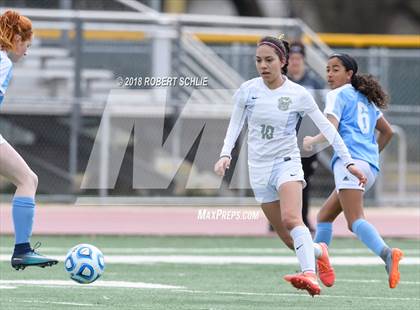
(345, 180)
(265, 182)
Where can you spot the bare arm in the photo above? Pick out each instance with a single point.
(385, 133)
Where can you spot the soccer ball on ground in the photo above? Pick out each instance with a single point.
(84, 263)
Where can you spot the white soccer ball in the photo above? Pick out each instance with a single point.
(84, 263)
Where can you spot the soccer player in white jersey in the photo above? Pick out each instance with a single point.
(15, 38)
(272, 105)
(353, 107)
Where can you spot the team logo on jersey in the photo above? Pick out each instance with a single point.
(284, 103)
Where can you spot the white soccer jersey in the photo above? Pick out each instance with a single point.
(5, 73)
(272, 116)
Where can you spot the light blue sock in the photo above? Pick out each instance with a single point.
(323, 233)
(23, 217)
(368, 234)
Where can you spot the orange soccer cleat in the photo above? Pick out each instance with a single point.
(325, 270)
(391, 267)
(305, 281)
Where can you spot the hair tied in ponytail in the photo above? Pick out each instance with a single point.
(12, 18)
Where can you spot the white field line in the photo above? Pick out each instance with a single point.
(152, 250)
(69, 283)
(141, 285)
(351, 297)
(375, 281)
(58, 283)
(221, 260)
(34, 301)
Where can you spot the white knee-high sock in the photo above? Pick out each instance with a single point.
(304, 248)
(317, 250)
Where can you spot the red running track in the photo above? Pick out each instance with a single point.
(183, 221)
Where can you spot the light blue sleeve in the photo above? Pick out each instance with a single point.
(335, 104)
(378, 112)
(5, 76)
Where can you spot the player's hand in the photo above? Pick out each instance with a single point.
(308, 143)
(221, 166)
(358, 174)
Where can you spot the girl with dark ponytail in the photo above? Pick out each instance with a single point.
(353, 108)
(272, 105)
(364, 83)
(368, 86)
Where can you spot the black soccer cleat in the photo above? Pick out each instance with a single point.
(32, 258)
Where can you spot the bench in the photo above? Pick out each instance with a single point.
(45, 53)
(54, 78)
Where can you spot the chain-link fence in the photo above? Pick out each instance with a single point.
(398, 71)
(67, 81)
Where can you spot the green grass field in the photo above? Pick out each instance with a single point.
(256, 284)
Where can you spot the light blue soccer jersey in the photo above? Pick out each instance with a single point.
(357, 121)
(5, 73)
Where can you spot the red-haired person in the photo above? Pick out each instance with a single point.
(15, 39)
(272, 105)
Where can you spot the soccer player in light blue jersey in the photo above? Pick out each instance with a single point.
(353, 108)
(15, 38)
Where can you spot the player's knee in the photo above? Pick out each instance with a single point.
(32, 180)
(28, 180)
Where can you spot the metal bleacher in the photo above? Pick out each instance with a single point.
(75, 65)
(54, 60)
(78, 55)
(49, 72)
